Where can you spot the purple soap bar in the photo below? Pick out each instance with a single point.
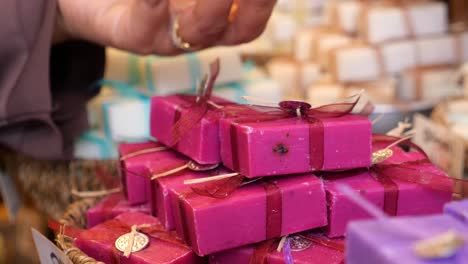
(311, 253)
(133, 168)
(410, 199)
(164, 247)
(252, 213)
(201, 143)
(384, 242)
(458, 209)
(112, 206)
(293, 145)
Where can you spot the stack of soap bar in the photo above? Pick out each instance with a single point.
(458, 209)
(252, 213)
(293, 145)
(161, 187)
(386, 242)
(98, 242)
(112, 206)
(201, 143)
(412, 199)
(429, 83)
(134, 172)
(311, 253)
(414, 20)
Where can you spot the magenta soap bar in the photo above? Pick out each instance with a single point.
(384, 242)
(252, 213)
(292, 145)
(458, 209)
(133, 168)
(313, 253)
(98, 243)
(201, 143)
(161, 187)
(410, 199)
(112, 206)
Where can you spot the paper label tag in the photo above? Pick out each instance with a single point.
(48, 253)
(10, 196)
(444, 148)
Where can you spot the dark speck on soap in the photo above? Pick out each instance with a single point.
(280, 149)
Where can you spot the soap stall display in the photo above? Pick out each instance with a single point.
(197, 209)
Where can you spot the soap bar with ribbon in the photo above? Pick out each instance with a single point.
(212, 219)
(169, 175)
(302, 248)
(111, 207)
(151, 244)
(200, 141)
(134, 159)
(458, 209)
(384, 185)
(294, 138)
(418, 239)
(406, 20)
(190, 123)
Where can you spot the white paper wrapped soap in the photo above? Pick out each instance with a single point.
(314, 44)
(127, 119)
(265, 89)
(93, 145)
(380, 91)
(395, 57)
(357, 63)
(443, 49)
(183, 73)
(429, 83)
(319, 93)
(385, 21)
(166, 75)
(344, 15)
(293, 76)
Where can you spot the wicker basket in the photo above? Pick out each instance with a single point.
(49, 183)
(75, 215)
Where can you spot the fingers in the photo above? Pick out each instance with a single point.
(143, 28)
(204, 23)
(252, 17)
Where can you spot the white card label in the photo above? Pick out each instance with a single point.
(444, 148)
(48, 253)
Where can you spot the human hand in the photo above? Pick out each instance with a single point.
(144, 26)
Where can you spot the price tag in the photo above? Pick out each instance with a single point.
(47, 251)
(444, 148)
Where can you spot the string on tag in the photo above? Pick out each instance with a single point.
(143, 151)
(94, 194)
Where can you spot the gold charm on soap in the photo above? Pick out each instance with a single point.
(441, 246)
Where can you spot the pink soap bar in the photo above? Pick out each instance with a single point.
(293, 145)
(412, 199)
(252, 213)
(311, 253)
(160, 189)
(98, 242)
(134, 172)
(201, 143)
(112, 206)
